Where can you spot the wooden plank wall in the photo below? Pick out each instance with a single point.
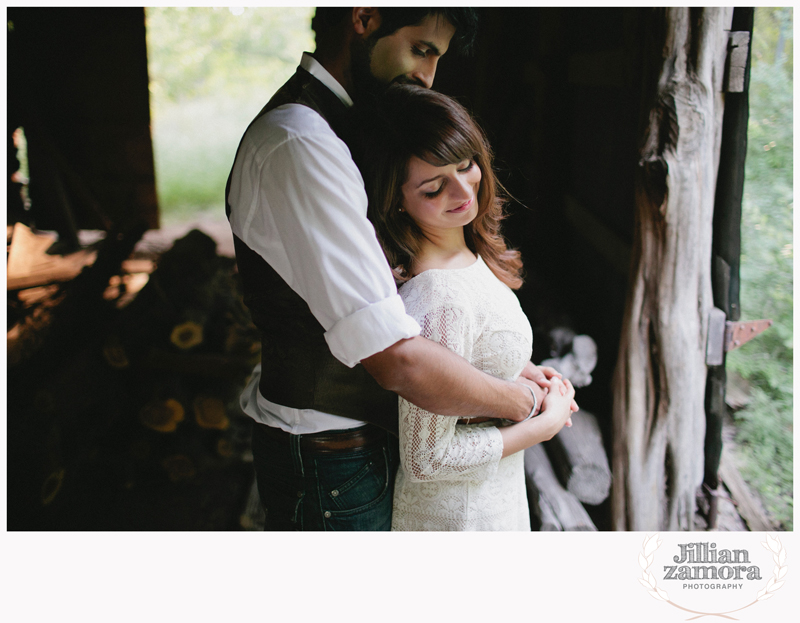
(78, 85)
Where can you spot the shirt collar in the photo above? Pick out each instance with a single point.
(312, 66)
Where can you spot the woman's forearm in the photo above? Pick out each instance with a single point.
(434, 447)
(526, 434)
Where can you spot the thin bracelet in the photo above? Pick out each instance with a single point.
(533, 409)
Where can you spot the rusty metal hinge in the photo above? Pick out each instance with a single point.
(724, 336)
(737, 333)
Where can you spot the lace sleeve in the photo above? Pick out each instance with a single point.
(434, 447)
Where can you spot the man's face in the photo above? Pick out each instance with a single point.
(410, 54)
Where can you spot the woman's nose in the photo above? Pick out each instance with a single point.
(462, 188)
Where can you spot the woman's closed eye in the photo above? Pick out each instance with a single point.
(434, 193)
(464, 166)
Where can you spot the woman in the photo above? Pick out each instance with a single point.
(434, 199)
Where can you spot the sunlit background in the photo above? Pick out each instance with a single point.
(211, 71)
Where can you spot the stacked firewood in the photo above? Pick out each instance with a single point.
(569, 473)
(124, 384)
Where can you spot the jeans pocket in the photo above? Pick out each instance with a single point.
(355, 485)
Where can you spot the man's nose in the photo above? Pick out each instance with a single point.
(425, 73)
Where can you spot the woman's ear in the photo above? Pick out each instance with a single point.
(366, 20)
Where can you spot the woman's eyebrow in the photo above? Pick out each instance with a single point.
(422, 183)
(433, 179)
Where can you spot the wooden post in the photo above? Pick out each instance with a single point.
(659, 381)
(726, 247)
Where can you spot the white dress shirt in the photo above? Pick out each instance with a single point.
(298, 200)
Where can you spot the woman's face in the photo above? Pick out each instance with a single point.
(441, 198)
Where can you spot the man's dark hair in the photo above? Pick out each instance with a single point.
(465, 21)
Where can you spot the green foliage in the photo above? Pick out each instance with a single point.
(211, 71)
(198, 52)
(772, 38)
(765, 427)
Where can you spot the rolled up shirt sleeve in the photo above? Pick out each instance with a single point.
(298, 200)
(387, 323)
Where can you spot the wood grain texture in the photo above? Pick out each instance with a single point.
(660, 377)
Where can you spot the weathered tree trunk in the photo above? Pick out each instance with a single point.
(659, 381)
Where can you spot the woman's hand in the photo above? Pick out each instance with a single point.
(543, 376)
(558, 403)
(555, 414)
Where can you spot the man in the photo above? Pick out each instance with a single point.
(321, 291)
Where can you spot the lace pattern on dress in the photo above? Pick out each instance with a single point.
(451, 475)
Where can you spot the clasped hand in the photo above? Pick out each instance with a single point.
(540, 380)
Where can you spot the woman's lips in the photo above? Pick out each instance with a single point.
(462, 208)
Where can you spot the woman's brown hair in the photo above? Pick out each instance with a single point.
(409, 121)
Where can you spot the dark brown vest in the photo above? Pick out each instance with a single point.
(297, 368)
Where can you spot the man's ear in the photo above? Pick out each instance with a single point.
(366, 20)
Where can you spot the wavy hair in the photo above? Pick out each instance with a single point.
(406, 121)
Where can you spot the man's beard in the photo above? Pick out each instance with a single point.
(365, 84)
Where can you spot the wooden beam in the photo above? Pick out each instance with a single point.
(726, 250)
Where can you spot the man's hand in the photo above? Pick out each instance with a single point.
(538, 391)
(540, 376)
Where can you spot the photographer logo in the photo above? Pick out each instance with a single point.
(715, 577)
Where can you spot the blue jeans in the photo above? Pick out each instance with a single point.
(346, 490)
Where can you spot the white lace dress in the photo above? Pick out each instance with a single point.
(451, 475)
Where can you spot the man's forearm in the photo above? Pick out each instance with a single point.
(439, 381)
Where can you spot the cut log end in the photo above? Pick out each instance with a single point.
(590, 483)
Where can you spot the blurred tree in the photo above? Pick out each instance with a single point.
(773, 42)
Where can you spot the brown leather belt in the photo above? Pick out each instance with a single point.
(473, 420)
(331, 441)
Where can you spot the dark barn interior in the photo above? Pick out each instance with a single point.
(558, 92)
(556, 89)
